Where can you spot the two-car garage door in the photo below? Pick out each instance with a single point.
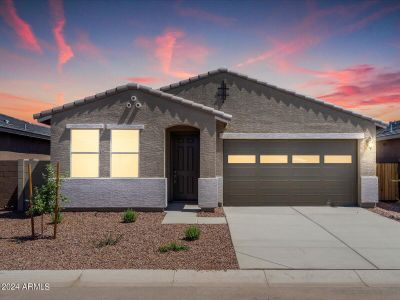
(290, 172)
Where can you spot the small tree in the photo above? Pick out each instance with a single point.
(44, 196)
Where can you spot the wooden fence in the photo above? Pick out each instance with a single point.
(388, 174)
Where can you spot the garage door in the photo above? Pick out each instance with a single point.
(283, 172)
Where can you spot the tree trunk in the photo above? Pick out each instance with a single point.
(42, 223)
(31, 201)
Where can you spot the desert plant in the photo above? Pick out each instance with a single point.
(59, 219)
(108, 240)
(129, 216)
(173, 247)
(44, 196)
(163, 248)
(192, 233)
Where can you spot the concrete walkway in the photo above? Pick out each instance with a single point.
(313, 238)
(182, 213)
(273, 278)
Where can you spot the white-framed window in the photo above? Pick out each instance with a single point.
(125, 153)
(84, 156)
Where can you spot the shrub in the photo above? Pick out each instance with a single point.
(129, 216)
(164, 248)
(108, 240)
(192, 233)
(173, 247)
(59, 219)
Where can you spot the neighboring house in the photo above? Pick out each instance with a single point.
(388, 144)
(219, 137)
(23, 140)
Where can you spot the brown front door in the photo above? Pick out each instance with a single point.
(185, 161)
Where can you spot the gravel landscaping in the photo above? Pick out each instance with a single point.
(82, 235)
(218, 212)
(388, 209)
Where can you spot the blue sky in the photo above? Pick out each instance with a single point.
(52, 52)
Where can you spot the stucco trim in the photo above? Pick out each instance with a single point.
(208, 192)
(292, 136)
(84, 126)
(287, 91)
(125, 126)
(369, 190)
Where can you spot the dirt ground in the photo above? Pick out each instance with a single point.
(388, 209)
(77, 245)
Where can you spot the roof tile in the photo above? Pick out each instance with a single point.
(224, 70)
(132, 86)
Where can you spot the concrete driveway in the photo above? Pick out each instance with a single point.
(313, 238)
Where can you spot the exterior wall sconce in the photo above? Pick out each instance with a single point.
(370, 143)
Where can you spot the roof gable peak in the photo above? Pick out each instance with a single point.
(377, 122)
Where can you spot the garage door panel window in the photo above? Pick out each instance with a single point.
(241, 159)
(273, 159)
(338, 159)
(84, 161)
(305, 159)
(124, 153)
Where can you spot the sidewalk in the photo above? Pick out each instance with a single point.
(179, 278)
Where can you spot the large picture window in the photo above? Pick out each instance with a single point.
(124, 153)
(84, 153)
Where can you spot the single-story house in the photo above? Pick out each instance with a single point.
(23, 140)
(388, 144)
(219, 138)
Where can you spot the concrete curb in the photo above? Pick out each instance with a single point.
(265, 278)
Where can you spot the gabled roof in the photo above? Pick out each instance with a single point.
(392, 131)
(224, 70)
(16, 126)
(45, 116)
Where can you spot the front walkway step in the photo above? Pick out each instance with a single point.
(175, 217)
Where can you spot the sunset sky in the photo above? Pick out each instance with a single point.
(53, 52)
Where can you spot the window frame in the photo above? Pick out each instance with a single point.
(118, 152)
(86, 152)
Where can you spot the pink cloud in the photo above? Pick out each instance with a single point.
(202, 14)
(21, 107)
(362, 85)
(60, 99)
(65, 52)
(143, 80)
(373, 17)
(174, 52)
(280, 50)
(23, 30)
(85, 46)
(318, 25)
